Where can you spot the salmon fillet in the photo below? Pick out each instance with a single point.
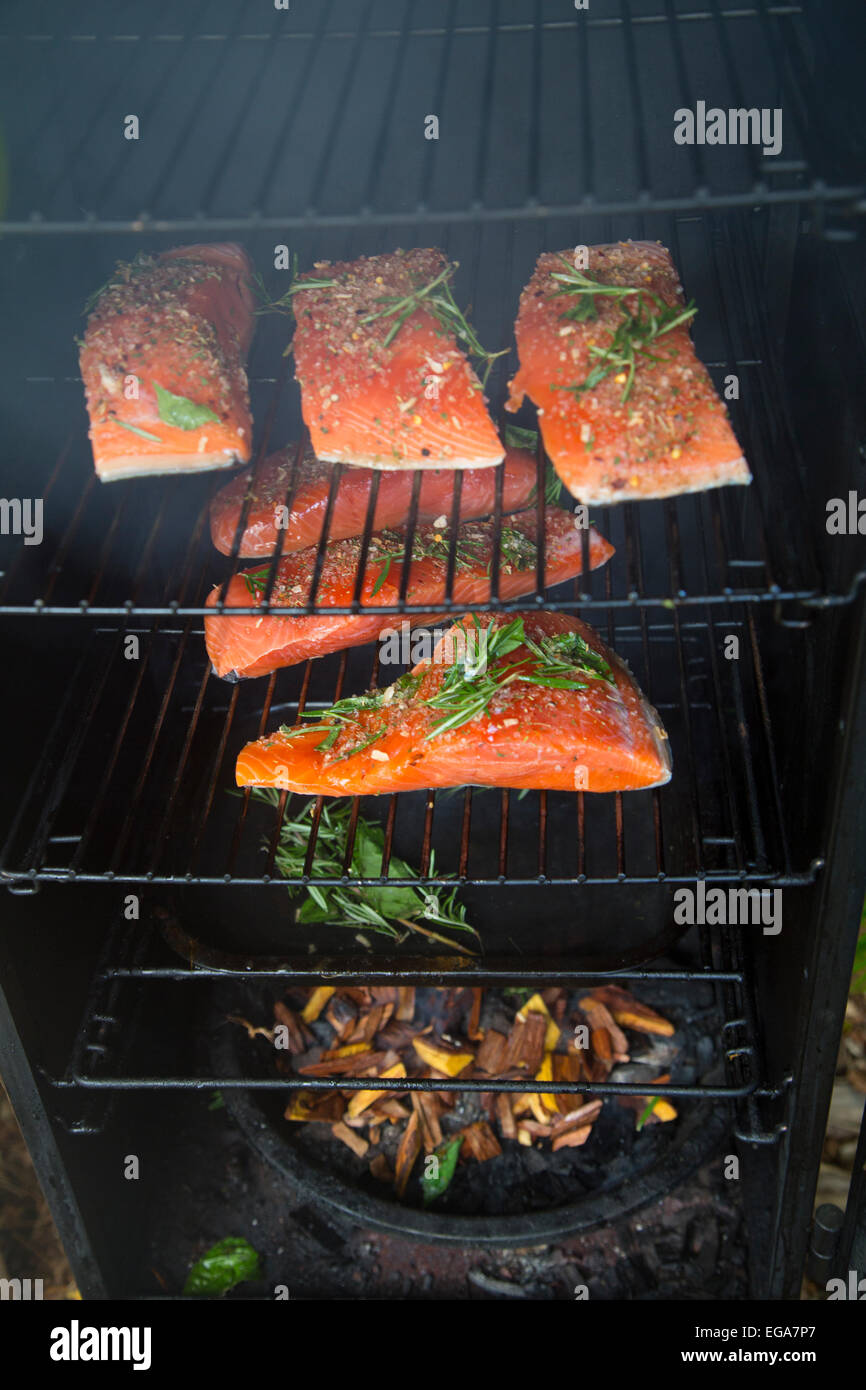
(384, 383)
(626, 411)
(563, 714)
(162, 363)
(266, 519)
(250, 645)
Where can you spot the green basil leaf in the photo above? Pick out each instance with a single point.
(180, 412)
(433, 1187)
(229, 1262)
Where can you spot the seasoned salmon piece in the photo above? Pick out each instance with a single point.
(267, 518)
(163, 363)
(384, 380)
(250, 645)
(626, 409)
(528, 700)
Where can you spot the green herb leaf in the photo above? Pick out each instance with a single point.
(447, 1155)
(516, 437)
(142, 434)
(471, 681)
(389, 911)
(437, 298)
(180, 412)
(256, 580)
(217, 1102)
(645, 1113)
(230, 1262)
(649, 319)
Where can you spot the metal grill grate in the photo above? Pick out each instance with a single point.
(130, 983)
(149, 542)
(132, 781)
(316, 112)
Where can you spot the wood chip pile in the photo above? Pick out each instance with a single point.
(388, 1031)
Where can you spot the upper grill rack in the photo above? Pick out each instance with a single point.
(755, 544)
(283, 116)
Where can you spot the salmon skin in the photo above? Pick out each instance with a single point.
(250, 645)
(550, 708)
(162, 363)
(626, 409)
(384, 383)
(266, 519)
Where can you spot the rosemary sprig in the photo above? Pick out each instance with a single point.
(346, 711)
(283, 304)
(435, 546)
(437, 297)
(560, 654)
(381, 909)
(256, 581)
(649, 320)
(516, 437)
(563, 661)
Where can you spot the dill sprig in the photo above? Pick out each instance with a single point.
(392, 911)
(435, 296)
(639, 326)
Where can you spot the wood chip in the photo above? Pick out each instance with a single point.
(505, 1116)
(472, 1029)
(491, 1054)
(443, 1057)
(479, 1142)
(577, 1117)
(361, 1099)
(405, 1003)
(630, 1012)
(353, 1141)
(381, 1169)
(601, 1018)
(384, 994)
(390, 1109)
(537, 1129)
(369, 1024)
(342, 1014)
(316, 1002)
(524, 1046)
(310, 1108)
(364, 1063)
(537, 1005)
(407, 1153)
(572, 1139)
(428, 1109)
